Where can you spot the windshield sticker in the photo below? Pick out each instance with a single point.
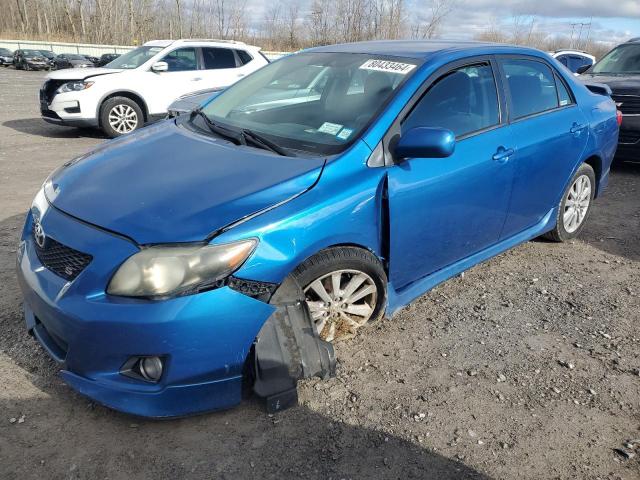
(330, 128)
(345, 133)
(387, 66)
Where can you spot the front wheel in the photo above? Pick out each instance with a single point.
(120, 115)
(575, 206)
(345, 287)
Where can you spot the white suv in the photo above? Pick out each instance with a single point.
(138, 86)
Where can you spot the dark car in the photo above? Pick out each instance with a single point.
(106, 58)
(620, 70)
(92, 59)
(49, 55)
(30, 60)
(6, 57)
(71, 60)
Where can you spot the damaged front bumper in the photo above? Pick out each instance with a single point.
(204, 339)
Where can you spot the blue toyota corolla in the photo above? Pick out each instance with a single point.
(168, 269)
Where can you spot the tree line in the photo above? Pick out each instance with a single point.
(285, 25)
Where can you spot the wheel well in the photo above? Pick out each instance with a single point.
(595, 162)
(131, 96)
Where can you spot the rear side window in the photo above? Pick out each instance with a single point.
(182, 59)
(244, 56)
(463, 101)
(215, 58)
(532, 87)
(564, 97)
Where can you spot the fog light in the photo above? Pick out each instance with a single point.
(150, 368)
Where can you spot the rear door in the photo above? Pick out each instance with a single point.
(445, 209)
(221, 67)
(550, 132)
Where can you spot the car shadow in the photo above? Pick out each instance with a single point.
(50, 431)
(37, 126)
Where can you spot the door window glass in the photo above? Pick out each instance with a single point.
(463, 101)
(181, 60)
(532, 87)
(215, 58)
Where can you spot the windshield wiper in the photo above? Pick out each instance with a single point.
(235, 137)
(263, 142)
(243, 136)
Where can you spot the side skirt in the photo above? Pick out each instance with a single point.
(400, 298)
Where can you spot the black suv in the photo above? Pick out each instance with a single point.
(620, 69)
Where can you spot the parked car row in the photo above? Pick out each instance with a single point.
(32, 59)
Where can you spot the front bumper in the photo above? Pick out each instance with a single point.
(68, 109)
(38, 65)
(629, 139)
(205, 338)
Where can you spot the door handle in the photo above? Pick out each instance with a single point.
(241, 75)
(575, 128)
(196, 79)
(503, 154)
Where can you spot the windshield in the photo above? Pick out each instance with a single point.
(73, 56)
(317, 102)
(134, 58)
(32, 53)
(622, 59)
(4, 51)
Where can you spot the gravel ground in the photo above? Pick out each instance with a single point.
(527, 366)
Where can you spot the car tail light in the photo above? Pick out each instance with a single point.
(619, 117)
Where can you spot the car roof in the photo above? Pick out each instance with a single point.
(413, 48)
(222, 43)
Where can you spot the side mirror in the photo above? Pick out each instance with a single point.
(583, 69)
(425, 142)
(160, 67)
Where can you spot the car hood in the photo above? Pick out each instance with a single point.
(166, 184)
(621, 84)
(81, 73)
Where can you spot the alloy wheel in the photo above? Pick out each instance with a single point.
(123, 118)
(340, 302)
(577, 203)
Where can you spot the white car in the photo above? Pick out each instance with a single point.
(138, 86)
(574, 59)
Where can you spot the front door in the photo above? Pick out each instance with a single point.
(443, 210)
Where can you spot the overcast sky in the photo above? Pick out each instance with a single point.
(613, 20)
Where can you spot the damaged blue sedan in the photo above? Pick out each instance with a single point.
(172, 269)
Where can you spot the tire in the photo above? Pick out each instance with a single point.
(329, 311)
(119, 106)
(566, 227)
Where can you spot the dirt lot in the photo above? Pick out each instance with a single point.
(526, 367)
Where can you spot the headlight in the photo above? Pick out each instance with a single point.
(170, 270)
(74, 86)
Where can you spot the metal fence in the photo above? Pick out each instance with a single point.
(85, 48)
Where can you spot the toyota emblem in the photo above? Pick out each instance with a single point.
(38, 234)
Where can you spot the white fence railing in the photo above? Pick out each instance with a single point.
(85, 48)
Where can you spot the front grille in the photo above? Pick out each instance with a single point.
(48, 90)
(629, 104)
(62, 260)
(628, 137)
